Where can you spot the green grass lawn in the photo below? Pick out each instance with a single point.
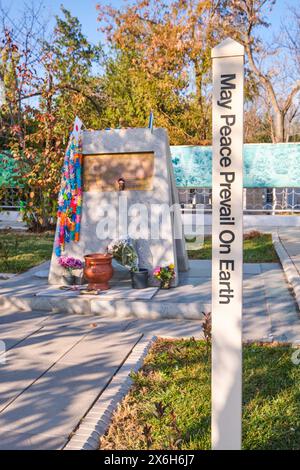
(20, 251)
(168, 406)
(258, 248)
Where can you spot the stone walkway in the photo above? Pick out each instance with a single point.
(57, 365)
(270, 310)
(290, 238)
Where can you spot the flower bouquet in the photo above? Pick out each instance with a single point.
(70, 264)
(165, 275)
(125, 254)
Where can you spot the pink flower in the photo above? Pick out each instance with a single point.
(70, 263)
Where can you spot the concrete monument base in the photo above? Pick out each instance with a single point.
(121, 154)
(30, 291)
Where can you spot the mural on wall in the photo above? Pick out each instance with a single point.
(9, 172)
(265, 165)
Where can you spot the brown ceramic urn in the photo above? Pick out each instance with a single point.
(98, 270)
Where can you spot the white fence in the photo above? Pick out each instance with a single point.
(256, 200)
(10, 200)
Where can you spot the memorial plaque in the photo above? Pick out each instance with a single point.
(104, 172)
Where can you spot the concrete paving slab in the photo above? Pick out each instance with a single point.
(99, 349)
(30, 412)
(53, 340)
(255, 283)
(256, 321)
(274, 275)
(258, 301)
(296, 260)
(285, 322)
(252, 268)
(6, 276)
(114, 293)
(13, 335)
(291, 247)
(27, 441)
(193, 279)
(168, 328)
(67, 389)
(199, 268)
(48, 344)
(270, 267)
(16, 376)
(156, 309)
(61, 319)
(204, 282)
(277, 289)
(186, 293)
(21, 318)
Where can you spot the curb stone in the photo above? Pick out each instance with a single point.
(97, 420)
(288, 266)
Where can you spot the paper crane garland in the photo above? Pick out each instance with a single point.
(70, 195)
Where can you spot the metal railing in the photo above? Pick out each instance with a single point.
(10, 199)
(256, 200)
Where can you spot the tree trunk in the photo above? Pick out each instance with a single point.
(278, 122)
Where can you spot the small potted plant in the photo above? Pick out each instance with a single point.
(124, 253)
(165, 275)
(70, 264)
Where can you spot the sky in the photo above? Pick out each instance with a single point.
(85, 10)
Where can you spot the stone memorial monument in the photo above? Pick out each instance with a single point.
(127, 187)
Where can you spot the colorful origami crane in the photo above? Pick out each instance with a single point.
(70, 195)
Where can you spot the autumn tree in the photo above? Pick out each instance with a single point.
(20, 57)
(43, 97)
(170, 44)
(289, 40)
(269, 63)
(20, 62)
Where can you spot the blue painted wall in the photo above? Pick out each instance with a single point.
(265, 165)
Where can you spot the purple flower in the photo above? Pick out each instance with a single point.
(70, 263)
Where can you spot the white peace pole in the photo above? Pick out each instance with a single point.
(227, 244)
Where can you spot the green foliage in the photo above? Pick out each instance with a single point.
(71, 55)
(71, 59)
(131, 93)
